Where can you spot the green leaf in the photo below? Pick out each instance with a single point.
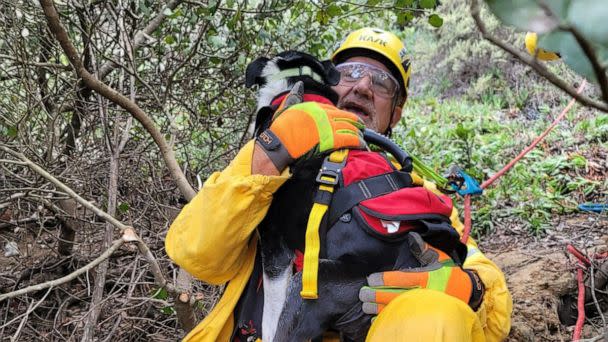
(161, 293)
(403, 3)
(589, 16)
(175, 14)
(322, 18)
(263, 34)
(572, 54)
(409, 16)
(215, 41)
(170, 39)
(123, 207)
(463, 132)
(64, 59)
(401, 19)
(372, 2)
(528, 15)
(427, 3)
(578, 161)
(333, 10)
(11, 131)
(435, 20)
(168, 310)
(167, 11)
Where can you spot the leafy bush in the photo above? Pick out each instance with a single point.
(455, 60)
(481, 138)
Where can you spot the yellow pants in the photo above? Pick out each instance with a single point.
(426, 316)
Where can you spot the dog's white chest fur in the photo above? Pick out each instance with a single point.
(275, 295)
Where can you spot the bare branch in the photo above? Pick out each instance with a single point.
(140, 37)
(533, 62)
(599, 71)
(29, 309)
(111, 94)
(114, 96)
(65, 188)
(8, 161)
(37, 64)
(67, 278)
(186, 314)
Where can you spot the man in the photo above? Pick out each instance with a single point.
(215, 242)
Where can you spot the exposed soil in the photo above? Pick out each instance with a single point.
(539, 271)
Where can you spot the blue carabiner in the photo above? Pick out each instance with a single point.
(594, 207)
(469, 185)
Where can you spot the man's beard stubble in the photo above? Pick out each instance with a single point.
(361, 107)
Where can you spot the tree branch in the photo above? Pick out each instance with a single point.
(68, 277)
(37, 64)
(599, 71)
(65, 188)
(119, 99)
(183, 299)
(140, 37)
(533, 62)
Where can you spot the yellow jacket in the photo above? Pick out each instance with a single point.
(212, 238)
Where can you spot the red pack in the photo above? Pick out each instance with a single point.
(387, 204)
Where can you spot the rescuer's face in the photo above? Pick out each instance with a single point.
(363, 99)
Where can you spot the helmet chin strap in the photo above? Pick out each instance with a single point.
(389, 129)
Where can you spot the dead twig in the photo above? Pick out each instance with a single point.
(65, 188)
(111, 94)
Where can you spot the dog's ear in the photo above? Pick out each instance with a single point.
(254, 70)
(332, 75)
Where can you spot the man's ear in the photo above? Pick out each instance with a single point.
(332, 75)
(254, 70)
(396, 116)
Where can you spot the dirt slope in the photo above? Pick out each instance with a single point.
(539, 271)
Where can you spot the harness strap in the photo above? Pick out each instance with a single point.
(346, 198)
(327, 179)
(300, 71)
(310, 272)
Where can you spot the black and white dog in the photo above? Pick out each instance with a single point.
(349, 254)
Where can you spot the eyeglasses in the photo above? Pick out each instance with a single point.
(383, 83)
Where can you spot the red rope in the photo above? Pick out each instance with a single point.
(579, 255)
(467, 208)
(580, 320)
(583, 263)
(535, 142)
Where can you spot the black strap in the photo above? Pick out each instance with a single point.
(346, 198)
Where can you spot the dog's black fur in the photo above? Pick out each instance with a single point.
(260, 70)
(348, 255)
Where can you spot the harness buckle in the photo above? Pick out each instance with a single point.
(329, 174)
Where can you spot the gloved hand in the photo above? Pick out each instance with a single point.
(437, 271)
(307, 127)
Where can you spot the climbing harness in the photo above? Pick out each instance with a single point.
(365, 189)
